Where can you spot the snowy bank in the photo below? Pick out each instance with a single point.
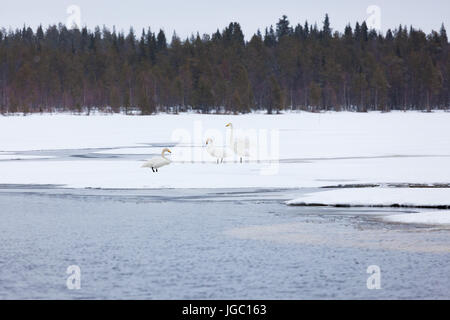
(378, 197)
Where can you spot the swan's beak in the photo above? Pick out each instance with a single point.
(169, 151)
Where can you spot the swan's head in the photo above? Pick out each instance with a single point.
(166, 150)
(230, 125)
(208, 141)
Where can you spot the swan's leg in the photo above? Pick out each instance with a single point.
(153, 169)
(217, 161)
(221, 161)
(241, 159)
(156, 169)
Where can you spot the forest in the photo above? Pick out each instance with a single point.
(284, 67)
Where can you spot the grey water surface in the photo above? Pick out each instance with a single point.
(209, 244)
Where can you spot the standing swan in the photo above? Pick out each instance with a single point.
(240, 146)
(216, 152)
(158, 162)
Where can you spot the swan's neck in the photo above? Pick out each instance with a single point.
(231, 135)
(163, 155)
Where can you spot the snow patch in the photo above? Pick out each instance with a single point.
(378, 197)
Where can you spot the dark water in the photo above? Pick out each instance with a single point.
(209, 244)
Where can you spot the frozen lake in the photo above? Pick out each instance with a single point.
(204, 244)
(72, 192)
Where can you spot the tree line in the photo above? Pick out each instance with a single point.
(284, 67)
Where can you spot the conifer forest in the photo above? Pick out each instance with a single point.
(285, 66)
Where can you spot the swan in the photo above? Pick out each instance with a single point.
(219, 153)
(158, 162)
(240, 146)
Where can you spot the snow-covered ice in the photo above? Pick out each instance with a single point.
(137, 151)
(10, 156)
(406, 197)
(304, 135)
(129, 174)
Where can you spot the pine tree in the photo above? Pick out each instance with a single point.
(443, 35)
(380, 85)
(270, 39)
(431, 80)
(276, 96)
(326, 28)
(161, 42)
(283, 27)
(315, 94)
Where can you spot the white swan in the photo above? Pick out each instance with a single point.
(240, 146)
(219, 153)
(158, 162)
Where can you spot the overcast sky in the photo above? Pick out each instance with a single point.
(205, 16)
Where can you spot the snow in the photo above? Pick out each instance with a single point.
(408, 197)
(134, 151)
(306, 135)
(309, 149)
(129, 174)
(8, 156)
(426, 218)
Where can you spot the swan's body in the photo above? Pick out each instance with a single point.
(240, 146)
(158, 162)
(219, 153)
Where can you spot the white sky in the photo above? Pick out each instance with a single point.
(206, 16)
